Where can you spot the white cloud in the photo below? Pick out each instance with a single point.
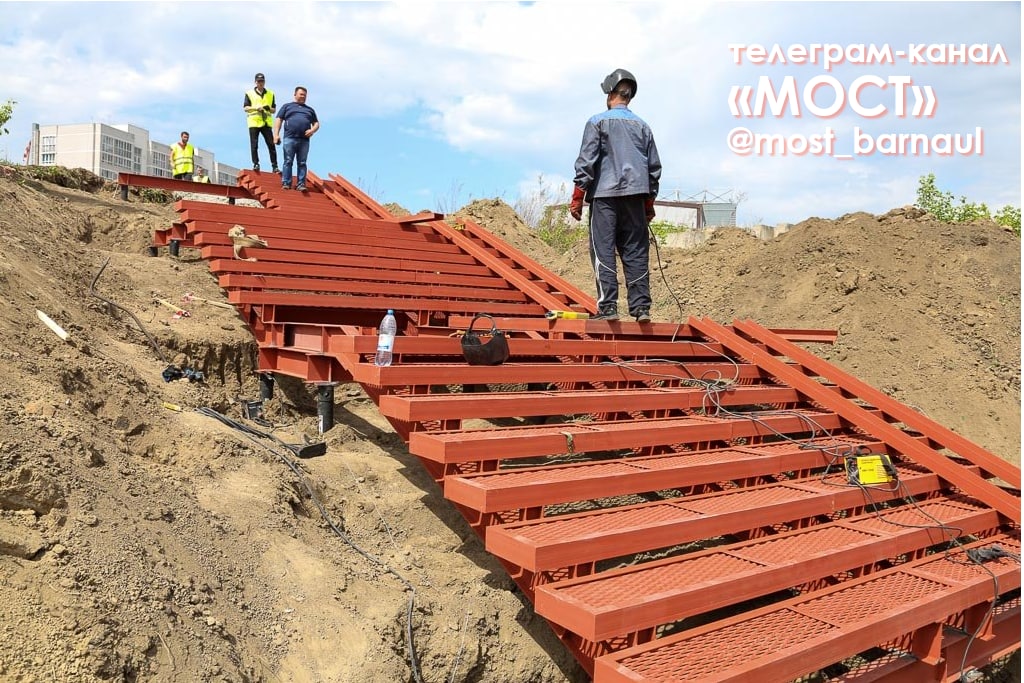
(511, 84)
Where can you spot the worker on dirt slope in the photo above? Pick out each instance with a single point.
(183, 156)
(618, 172)
(259, 106)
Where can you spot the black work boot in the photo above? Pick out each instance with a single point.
(610, 313)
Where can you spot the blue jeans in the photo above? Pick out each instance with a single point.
(295, 149)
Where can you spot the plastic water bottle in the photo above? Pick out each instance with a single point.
(386, 340)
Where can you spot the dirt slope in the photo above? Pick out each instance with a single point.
(142, 544)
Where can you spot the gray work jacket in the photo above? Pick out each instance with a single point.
(618, 156)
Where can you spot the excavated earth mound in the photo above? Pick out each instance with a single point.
(140, 543)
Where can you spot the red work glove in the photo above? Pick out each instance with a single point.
(649, 210)
(576, 205)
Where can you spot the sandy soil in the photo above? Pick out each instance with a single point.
(138, 543)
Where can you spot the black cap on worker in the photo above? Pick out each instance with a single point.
(260, 77)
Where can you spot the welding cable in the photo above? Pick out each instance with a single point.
(988, 613)
(955, 535)
(92, 290)
(954, 540)
(713, 387)
(664, 278)
(252, 435)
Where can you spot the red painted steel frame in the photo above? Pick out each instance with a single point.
(674, 496)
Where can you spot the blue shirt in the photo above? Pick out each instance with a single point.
(297, 119)
(618, 156)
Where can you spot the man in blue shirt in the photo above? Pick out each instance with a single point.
(300, 123)
(618, 171)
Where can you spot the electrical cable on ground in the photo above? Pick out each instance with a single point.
(251, 434)
(92, 291)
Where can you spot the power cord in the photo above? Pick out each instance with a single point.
(661, 270)
(252, 435)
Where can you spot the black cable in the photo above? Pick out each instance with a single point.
(92, 290)
(251, 434)
(976, 556)
(661, 269)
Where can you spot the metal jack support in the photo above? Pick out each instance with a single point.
(266, 386)
(325, 407)
(174, 247)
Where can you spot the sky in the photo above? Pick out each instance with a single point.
(434, 104)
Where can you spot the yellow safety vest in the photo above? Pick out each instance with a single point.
(259, 119)
(182, 158)
(201, 178)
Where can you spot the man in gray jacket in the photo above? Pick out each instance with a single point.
(618, 171)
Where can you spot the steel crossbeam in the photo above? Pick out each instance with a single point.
(783, 642)
(944, 437)
(537, 487)
(721, 449)
(975, 485)
(553, 543)
(583, 437)
(420, 408)
(666, 591)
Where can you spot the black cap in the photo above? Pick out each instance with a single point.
(260, 77)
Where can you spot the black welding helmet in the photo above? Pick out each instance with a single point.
(614, 78)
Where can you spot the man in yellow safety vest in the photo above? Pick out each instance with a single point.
(259, 106)
(183, 157)
(200, 176)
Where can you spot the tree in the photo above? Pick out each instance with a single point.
(942, 205)
(945, 208)
(6, 112)
(1009, 217)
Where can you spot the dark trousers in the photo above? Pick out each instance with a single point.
(183, 176)
(619, 225)
(254, 137)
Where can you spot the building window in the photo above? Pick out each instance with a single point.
(117, 153)
(161, 164)
(48, 150)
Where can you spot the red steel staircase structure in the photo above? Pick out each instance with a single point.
(680, 501)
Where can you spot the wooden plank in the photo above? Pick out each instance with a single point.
(173, 185)
(216, 232)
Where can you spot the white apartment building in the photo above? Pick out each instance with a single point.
(107, 150)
